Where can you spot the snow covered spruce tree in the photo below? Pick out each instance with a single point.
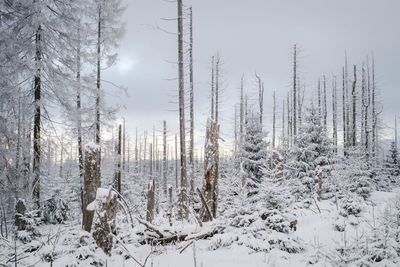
(392, 162)
(253, 154)
(310, 155)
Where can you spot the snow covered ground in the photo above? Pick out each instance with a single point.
(317, 230)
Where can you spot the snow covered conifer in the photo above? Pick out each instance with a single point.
(392, 163)
(253, 154)
(312, 151)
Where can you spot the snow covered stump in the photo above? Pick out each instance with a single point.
(105, 208)
(91, 183)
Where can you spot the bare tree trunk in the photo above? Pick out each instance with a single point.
(151, 151)
(241, 110)
(36, 123)
(176, 160)
(165, 158)
(78, 114)
(136, 151)
(374, 115)
(98, 78)
(61, 155)
(273, 122)
(235, 130)
(217, 63)
(294, 91)
(212, 87)
(319, 97)
(123, 146)
(334, 115)
(216, 176)
(325, 106)
(191, 150)
(260, 96)
(353, 93)
(183, 212)
(283, 122)
(117, 162)
(289, 128)
(344, 114)
(347, 104)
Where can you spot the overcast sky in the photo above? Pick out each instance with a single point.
(251, 35)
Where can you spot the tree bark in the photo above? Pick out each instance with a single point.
(36, 123)
(354, 121)
(191, 149)
(183, 197)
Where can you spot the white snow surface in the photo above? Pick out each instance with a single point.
(316, 230)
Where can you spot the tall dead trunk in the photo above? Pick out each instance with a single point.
(217, 64)
(374, 115)
(319, 97)
(176, 160)
(78, 113)
(294, 91)
(273, 122)
(61, 155)
(283, 122)
(334, 115)
(123, 145)
(36, 120)
(216, 171)
(325, 105)
(212, 87)
(117, 162)
(241, 122)
(165, 158)
(183, 212)
(354, 112)
(191, 149)
(260, 96)
(344, 114)
(98, 77)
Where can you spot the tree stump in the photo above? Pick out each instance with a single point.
(91, 183)
(105, 207)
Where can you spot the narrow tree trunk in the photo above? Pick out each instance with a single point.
(319, 97)
(241, 122)
(165, 158)
(123, 146)
(117, 162)
(78, 113)
(283, 122)
(344, 114)
(374, 115)
(334, 114)
(354, 113)
(183, 211)
(325, 106)
(294, 91)
(36, 123)
(61, 155)
(176, 160)
(191, 150)
(212, 87)
(273, 122)
(260, 96)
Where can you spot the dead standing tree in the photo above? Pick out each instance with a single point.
(117, 162)
(210, 174)
(191, 149)
(183, 212)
